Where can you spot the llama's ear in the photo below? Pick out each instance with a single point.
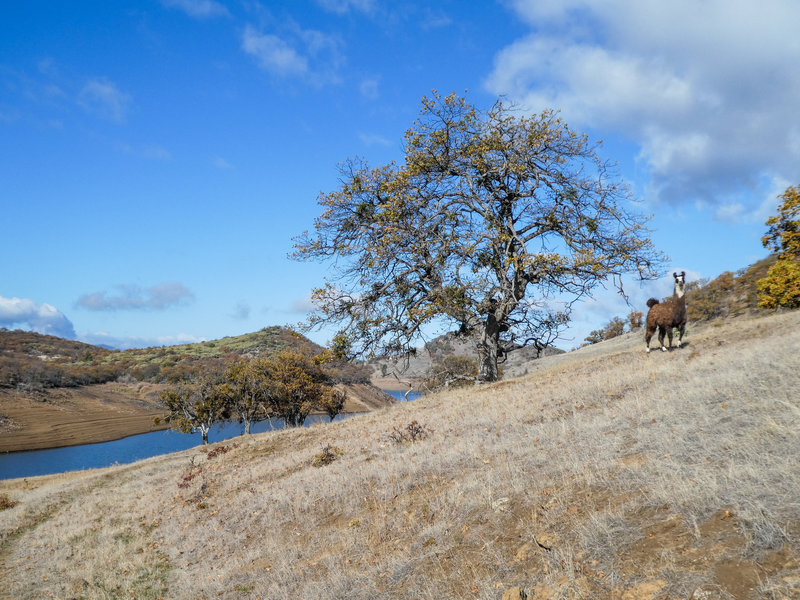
(683, 274)
(674, 274)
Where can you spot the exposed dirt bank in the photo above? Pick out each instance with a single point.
(72, 416)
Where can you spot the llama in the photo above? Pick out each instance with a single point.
(666, 315)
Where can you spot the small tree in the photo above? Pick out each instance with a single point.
(615, 327)
(595, 337)
(332, 401)
(635, 320)
(781, 286)
(490, 218)
(297, 385)
(197, 405)
(247, 389)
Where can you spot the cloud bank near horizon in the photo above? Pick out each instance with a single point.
(102, 338)
(133, 297)
(707, 91)
(42, 318)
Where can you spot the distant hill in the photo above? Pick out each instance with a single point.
(729, 294)
(32, 361)
(418, 366)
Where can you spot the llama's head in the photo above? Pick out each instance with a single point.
(680, 283)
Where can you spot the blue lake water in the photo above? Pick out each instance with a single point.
(130, 449)
(126, 450)
(402, 395)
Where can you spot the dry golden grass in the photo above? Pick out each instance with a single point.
(604, 473)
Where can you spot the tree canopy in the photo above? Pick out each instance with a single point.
(288, 385)
(495, 224)
(196, 406)
(781, 286)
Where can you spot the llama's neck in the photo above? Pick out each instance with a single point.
(678, 292)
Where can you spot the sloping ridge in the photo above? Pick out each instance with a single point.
(603, 473)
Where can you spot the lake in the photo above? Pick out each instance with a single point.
(133, 448)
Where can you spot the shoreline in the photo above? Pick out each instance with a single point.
(64, 417)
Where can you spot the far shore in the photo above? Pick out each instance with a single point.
(106, 412)
(74, 416)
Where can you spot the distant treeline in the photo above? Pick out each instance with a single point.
(33, 362)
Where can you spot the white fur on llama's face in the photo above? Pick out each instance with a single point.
(680, 285)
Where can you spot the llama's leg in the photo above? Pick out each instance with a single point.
(669, 335)
(661, 333)
(647, 336)
(681, 329)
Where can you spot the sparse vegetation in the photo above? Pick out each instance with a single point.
(332, 401)
(220, 450)
(602, 474)
(413, 432)
(327, 456)
(6, 502)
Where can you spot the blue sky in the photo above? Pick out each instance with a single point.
(157, 157)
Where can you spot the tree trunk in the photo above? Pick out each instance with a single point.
(247, 426)
(488, 350)
(204, 433)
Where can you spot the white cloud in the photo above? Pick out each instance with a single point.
(341, 7)
(133, 297)
(303, 305)
(241, 311)
(199, 9)
(373, 139)
(306, 54)
(272, 53)
(103, 98)
(369, 88)
(221, 163)
(148, 151)
(707, 90)
(435, 19)
(102, 338)
(42, 318)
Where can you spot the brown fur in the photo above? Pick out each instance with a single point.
(667, 315)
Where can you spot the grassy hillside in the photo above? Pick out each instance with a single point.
(603, 473)
(33, 362)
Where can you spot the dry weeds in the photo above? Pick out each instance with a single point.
(604, 473)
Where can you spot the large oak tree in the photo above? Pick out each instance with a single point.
(492, 217)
